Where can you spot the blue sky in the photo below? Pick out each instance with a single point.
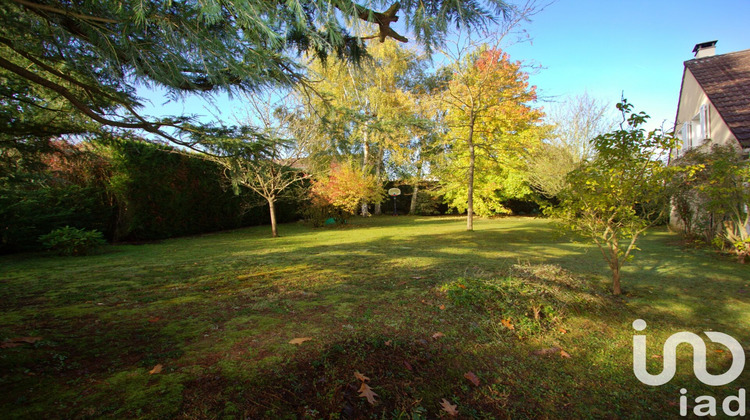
(606, 47)
(602, 47)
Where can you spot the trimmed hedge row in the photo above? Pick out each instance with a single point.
(147, 192)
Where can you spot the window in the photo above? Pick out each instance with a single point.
(699, 126)
(696, 131)
(686, 137)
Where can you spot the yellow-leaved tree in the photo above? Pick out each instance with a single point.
(490, 124)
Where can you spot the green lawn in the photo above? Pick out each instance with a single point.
(217, 312)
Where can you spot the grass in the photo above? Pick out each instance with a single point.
(217, 312)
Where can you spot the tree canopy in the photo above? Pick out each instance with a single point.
(58, 56)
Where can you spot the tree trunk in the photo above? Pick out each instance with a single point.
(272, 210)
(413, 204)
(470, 181)
(415, 191)
(616, 281)
(378, 209)
(365, 159)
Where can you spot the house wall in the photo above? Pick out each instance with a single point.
(691, 99)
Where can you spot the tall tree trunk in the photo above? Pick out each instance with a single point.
(378, 172)
(415, 191)
(470, 181)
(365, 166)
(272, 210)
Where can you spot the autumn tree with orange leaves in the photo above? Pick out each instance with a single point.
(490, 122)
(345, 187)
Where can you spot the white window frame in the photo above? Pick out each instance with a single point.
(699, 132)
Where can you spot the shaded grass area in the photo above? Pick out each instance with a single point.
(217, 312)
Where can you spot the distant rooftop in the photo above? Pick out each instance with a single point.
(726, 80)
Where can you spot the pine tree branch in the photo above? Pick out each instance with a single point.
(46, 8)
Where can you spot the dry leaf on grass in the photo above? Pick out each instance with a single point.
(388, 343)
(156, 369)
(472, 377)
(10, 345)
(407, 365)
(360, 376)
(507, 324)
(438, 335)
(442, 307)
(300, 340)
(550, 351)
(449, 408)
(19, 341)
(546, 352)
(366, 392)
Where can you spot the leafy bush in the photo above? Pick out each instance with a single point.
(345, 187)
(316, 214)
(72, 241)
(28, 211)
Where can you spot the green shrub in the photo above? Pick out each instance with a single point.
(29, 211)
(317, 215)
(72, 241)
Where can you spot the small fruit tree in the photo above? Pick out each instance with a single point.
(616, 196)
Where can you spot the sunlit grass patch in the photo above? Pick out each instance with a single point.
(218, 312)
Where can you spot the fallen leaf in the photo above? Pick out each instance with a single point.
(19, 341)
(442, 307)
(300, 340)
(10, 345)
(462, 286)
(563, 330)
(719, 351)
(360, 376)
(448, 408)
(407, 365)
(366, 392)
(156, 369)
(564, 354)
(507, 324)
(656, 356)
(472, 377)
(388, 343)
(546, 352)
(154, 319)
(438, 335)
(30, 340)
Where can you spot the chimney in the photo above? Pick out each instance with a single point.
(705, 49)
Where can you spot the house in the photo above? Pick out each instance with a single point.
(714, 104)
(714, 108)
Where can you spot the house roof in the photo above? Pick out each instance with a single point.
(726, 81)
